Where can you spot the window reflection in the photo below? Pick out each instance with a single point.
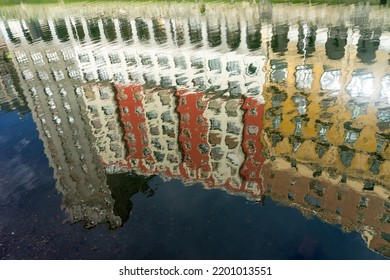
(233, 36)
(26, 32)
(279, 70)
(93, 29)
(306, 39)
(361, 84)
(368, 44)
(142, 30)
(109, 29)
(61, 30)
(11, 36)
(385, 88)
(177, 30)
(330, 80)
(279, 38)
(214, 33)
(125, 29)
(78, 30)
(253, 36)
(46, 33)
(304, 76)
(336, 42)
(195, 32)
(160, 33)
(34, 29)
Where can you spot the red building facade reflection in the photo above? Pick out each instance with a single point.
(232, 162)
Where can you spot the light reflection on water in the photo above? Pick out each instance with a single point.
(257, 101)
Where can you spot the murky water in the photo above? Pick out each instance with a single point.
(195, 131)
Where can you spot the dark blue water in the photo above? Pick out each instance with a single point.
(177, 222)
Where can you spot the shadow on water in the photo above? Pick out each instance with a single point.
(123, 187)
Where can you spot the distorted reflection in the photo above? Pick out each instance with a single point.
(361, 84)
(279, 39)
(294, 110)
(385, 88)
(304, 76)
(330, 80)
(368, 44)
(306, 39)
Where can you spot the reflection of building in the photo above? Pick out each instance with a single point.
(326, 127)
(252, 145)
(224, 136)
(331, 114)
(162, 122)
(193, 140)
(352, 209)
(52, 89)
(103, 118)
(78, 121)
(134, 51)
(133, 118)
(188, 101)
(193, 136)
(11, 95)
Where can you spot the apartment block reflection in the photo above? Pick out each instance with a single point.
(325, 126)
(11, 94)
(103, 119)
(193, 136)
(188, 97)
(329, 111)
(53, 90)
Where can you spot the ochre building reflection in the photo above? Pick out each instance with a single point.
(350, 207)
(330, 113)
(326, 127)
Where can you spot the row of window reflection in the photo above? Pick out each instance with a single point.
(52, 104)
(57, 121)
(34, 30)
(360, 85)
(164, 62)
(351, 134)
(315, 198)
(197, 64)
(367, 45)
(39, 59)
(58, 74)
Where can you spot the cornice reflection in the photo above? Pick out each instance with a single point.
(297, 110)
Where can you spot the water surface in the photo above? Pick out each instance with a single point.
(182, 131)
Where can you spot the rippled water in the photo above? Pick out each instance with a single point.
(195, 131)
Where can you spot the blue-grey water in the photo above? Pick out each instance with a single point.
(175, 133)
